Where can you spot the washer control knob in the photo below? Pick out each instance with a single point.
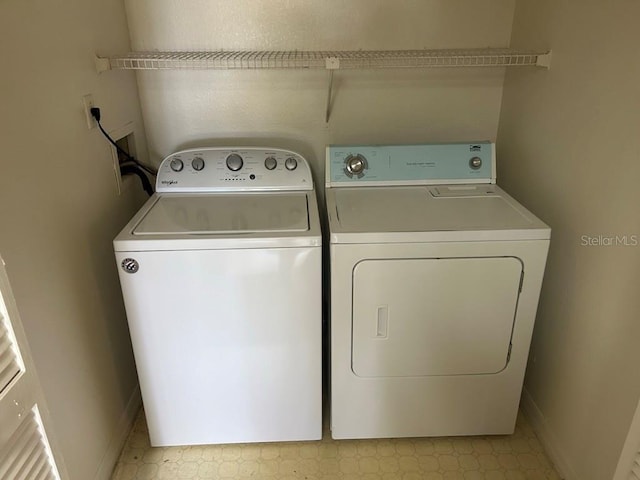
(291, 163)
(355, 165)
(270, 163)
(234, 162)
(475, 163)
(197, 163)
(176, 165)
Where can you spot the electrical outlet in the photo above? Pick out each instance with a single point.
(87, 103)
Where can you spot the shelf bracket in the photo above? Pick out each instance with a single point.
(102, 64)
(544, 60)
(329, 92)
(331, 64)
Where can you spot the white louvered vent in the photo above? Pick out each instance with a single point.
(635, 468)
(9, 360)
(27, 455)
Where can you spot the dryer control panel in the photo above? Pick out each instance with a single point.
(220, 169)
(348, 165)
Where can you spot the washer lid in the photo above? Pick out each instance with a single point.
(377, 212)
(225, 214)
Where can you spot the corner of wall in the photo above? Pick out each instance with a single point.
(546, 436)
(121, 432)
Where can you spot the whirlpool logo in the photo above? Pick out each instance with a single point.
(169, 182)
(475, 148)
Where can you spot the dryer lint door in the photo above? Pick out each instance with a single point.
(434, 316)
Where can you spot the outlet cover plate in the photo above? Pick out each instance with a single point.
(87, 103)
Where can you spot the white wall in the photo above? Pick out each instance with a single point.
(59, 212)
(569, 148)
(287, 108)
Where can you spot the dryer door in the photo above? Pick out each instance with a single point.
(434, 316)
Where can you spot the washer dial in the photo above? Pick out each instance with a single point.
(234, 162)
(355, 165)
(270, 163)
(291, 163)
(197, 163)
(176, 165)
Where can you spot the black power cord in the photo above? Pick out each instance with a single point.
(126, 169)
(135, 170)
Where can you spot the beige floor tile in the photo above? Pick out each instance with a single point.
(505, 457)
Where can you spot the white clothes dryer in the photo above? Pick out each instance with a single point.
(221, 278)
(435, 278)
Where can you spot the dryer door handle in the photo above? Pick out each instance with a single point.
(382, 324)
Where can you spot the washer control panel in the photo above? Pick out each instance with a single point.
(410, 164)
(215, 169)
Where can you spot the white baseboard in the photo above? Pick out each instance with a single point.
(105, 469)
(546, 436)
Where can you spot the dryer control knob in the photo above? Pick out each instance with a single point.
(270, 163)
(176, 165)
(291, 163)
(197, 163)
(355, 165)
(234, 162)
(475, 163)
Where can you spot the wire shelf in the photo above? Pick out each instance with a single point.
(360, 59)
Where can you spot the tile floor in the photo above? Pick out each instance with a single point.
(515, 457)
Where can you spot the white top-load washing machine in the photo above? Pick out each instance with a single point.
(221, 278)
(435, 278)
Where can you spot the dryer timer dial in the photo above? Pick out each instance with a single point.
(355, 165)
